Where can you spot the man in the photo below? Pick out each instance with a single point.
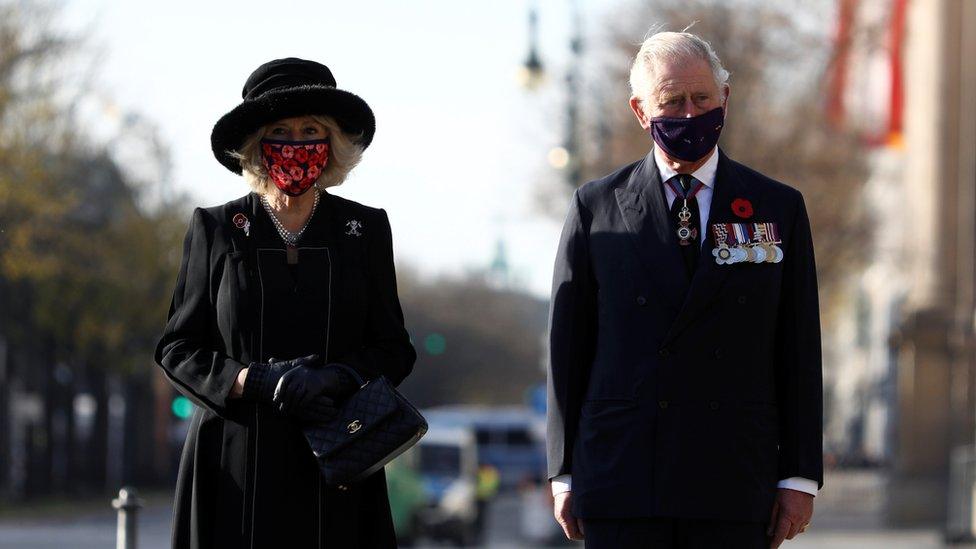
(685, 381)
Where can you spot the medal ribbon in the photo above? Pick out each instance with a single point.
(739, 234)
(676, 187)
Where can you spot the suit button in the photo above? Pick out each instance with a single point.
(663, 353)
(663, 404)
(713, 405)
(641, 300)
(719, 353)
(741, 300)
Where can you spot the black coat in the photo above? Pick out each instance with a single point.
(247, 477)
(678, 398)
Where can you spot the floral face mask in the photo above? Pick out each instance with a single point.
(294, 166)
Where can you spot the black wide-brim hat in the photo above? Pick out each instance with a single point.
(285, 88)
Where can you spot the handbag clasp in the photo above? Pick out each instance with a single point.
(354, 426)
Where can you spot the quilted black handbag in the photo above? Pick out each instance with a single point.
(370, 428)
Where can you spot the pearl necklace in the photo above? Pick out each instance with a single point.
(290, 238)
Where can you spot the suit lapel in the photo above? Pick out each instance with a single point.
(709, 277)
(645, 213)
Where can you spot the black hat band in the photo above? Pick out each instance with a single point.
(282, 81)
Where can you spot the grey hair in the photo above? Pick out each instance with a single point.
(345, 152)
(672, 46)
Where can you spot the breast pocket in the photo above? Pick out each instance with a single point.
(352, 278)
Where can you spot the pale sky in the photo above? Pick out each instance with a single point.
(460, 147)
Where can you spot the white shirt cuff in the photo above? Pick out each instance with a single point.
(562, 483)
(800, 484)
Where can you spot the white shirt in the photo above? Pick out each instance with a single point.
(705, 174)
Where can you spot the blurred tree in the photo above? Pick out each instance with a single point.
(86, 262)
(98, 265)
(778, 54)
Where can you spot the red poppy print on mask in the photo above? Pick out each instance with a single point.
(742, 208)
(294, 166)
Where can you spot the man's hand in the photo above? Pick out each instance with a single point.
(791, 515)
(563, 510)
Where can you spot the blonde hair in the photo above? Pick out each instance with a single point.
(345, 152)
(672, 46)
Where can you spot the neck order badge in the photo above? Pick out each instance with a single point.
(686, 233)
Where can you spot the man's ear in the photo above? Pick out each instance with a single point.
(637, 106)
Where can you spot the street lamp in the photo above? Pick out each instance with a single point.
(531, 75)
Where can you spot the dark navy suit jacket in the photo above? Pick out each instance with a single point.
(675, 397)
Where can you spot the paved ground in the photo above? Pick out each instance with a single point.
(85, 530)
(868, 540)
(848, 514)
(847, 517)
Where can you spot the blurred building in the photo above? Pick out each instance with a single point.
(865, 91)
(901, 374)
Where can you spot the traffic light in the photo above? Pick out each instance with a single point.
(182, 407)
(435, 344)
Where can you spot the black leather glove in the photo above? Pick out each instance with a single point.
(262, 378)
(299, 386)
(320, 409)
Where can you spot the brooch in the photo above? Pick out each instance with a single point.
(354, 225)
(746, 243)
(241, 222)
(742, 208)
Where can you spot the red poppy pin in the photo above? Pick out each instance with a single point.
(241, 222)
(742, 208)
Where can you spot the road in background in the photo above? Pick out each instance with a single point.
(846, 518)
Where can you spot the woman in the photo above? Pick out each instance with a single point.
(274, 289)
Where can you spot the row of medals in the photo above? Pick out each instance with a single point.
(753, 252)
(762, 251)
(756, 252)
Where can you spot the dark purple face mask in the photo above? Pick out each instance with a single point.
(688, 139)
